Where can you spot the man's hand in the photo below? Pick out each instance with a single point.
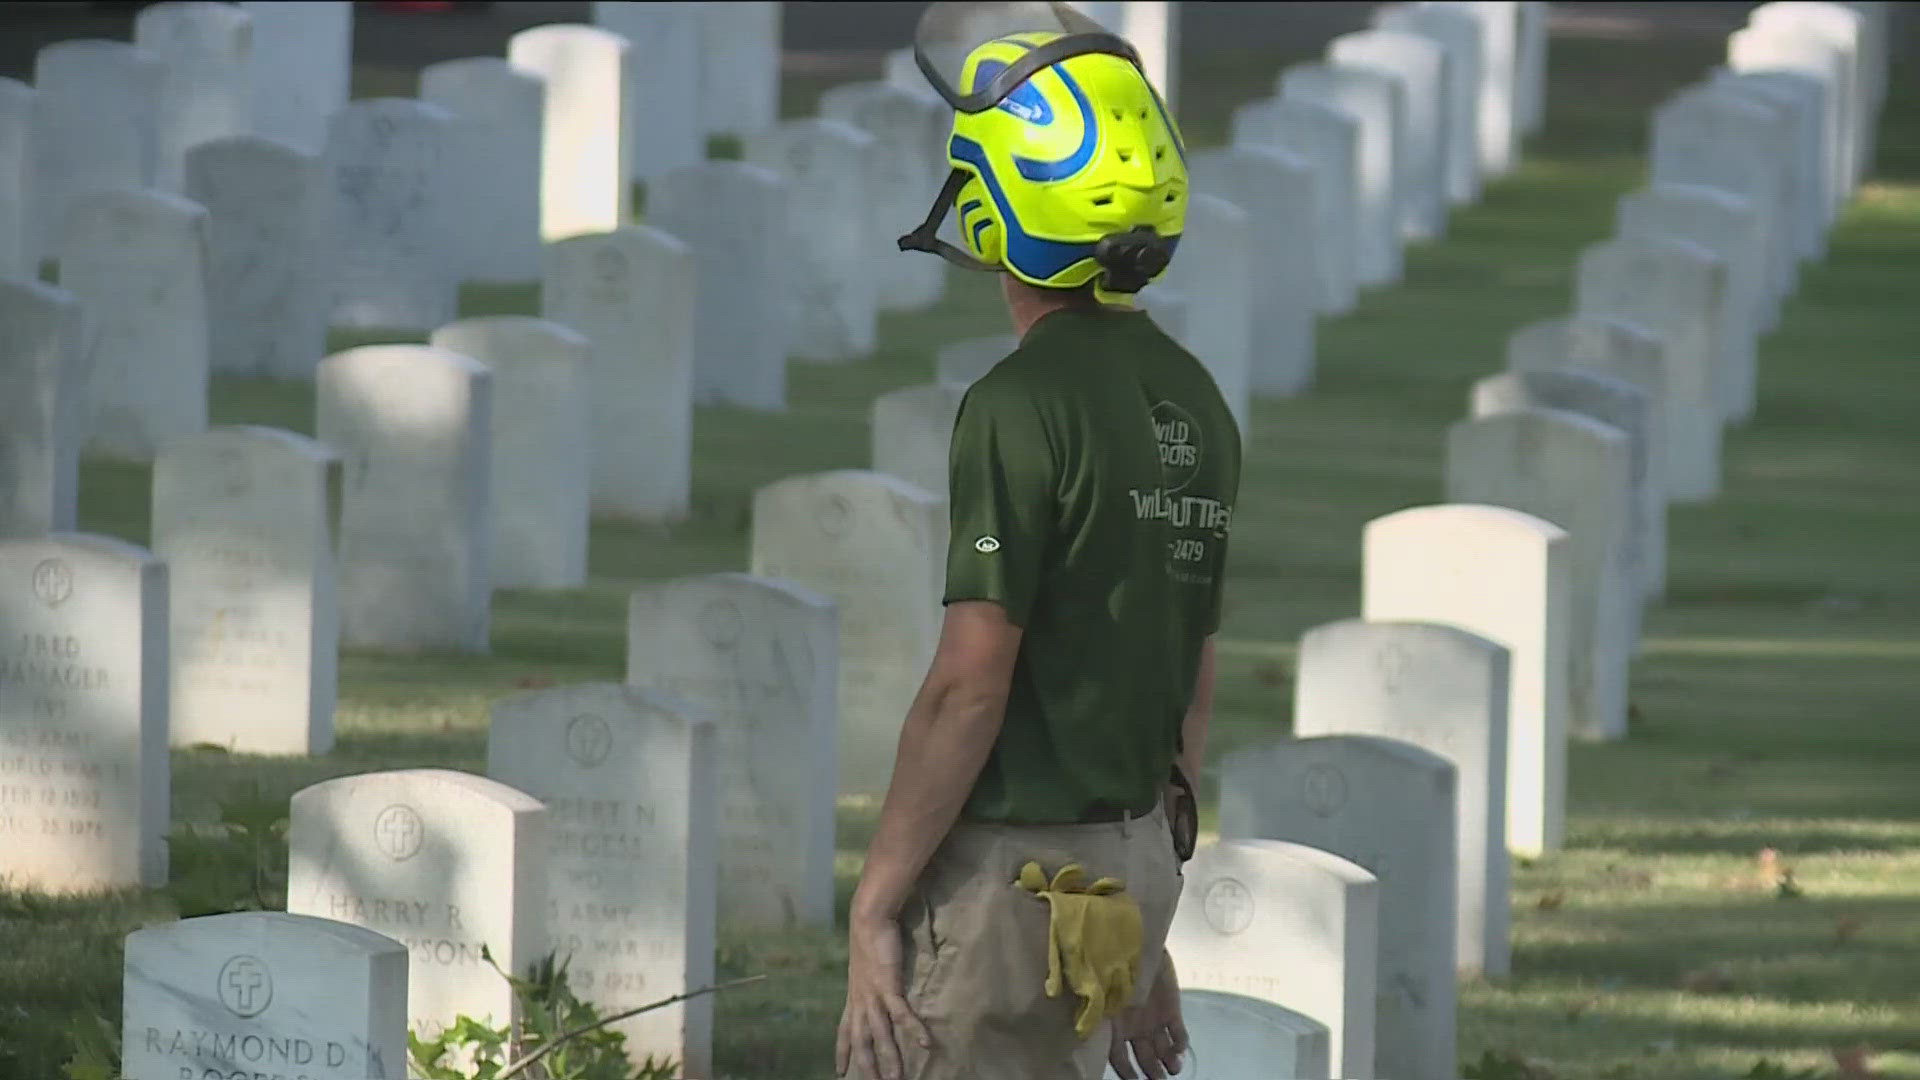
(1154, 1034)
(877, 1014)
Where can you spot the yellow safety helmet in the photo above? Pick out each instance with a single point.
(1066, 167)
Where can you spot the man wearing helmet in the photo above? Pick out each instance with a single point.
(1093, 474)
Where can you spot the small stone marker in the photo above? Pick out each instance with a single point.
(1238, 1036)
(1571, 471)
(1717, 138)
(1328, 140)
(1499, 68)
(908, 164)
(83, 715)
(392, 162)
(263, 993)
(912, 431)
(301, 64)
(499, 115)
(663, 95)
(1459, 34)
(95, 129)
(1275, 190)
(411, 426)
(446, 863)
(244, 519)
(43, 385)
(964, 361)
(1444, 690)
(1373, 103)
(630, 292)
(876, 546)
(270, 240)
(137, 262)
(19, 253)
(628, 779)
(1420, 68)
(734, 216)
(1248, 901)
(739, 86)
(1214, 270)
(1389, 807)
(832, 297)
(542, 445)
(760, 659)
(586, 159)
(207, 49)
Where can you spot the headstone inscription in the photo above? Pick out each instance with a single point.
(392, 163)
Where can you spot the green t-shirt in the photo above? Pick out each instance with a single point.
(1093, 474)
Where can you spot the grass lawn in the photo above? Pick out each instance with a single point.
(1767, 707)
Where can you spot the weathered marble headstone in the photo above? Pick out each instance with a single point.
(1499, 68)
(1274, 189)
(876, 546)
(137, 261)
(1844, 30)
(586, 161)
(95, 126)
(1391, 808)
(270, 241)
(831, 295)
(83, 715)
(1672, 288)
(263, 993)
(1715, 138)
(964, 361)
(628, 779)
(663, 96)
(760, 659)
(1214, 269)
(1248, 901)
(1153, 28)
(1328, 140)
(392, 162)
(446, 863)
(499, 114)
(43, 385)
(1420, 68)
(1373, 102)
(19, 254)
(740, 67)
(733, 215)
(1231, 1036)
(1167, 307)
(244, 519)
(1444, 690)
(541, 458)
(1734, 230)
(908, 164)
(912, 430)
(1459, 34)
(301, 64)
(1571, 471)
(1797, 103)
(1777, 49)
(630, 292)
(207, 49)
(411, 424)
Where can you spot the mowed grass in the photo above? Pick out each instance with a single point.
(1775, 706)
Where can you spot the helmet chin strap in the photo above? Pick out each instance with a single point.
(924, 238)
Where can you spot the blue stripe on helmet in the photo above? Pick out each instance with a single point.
(1034, 256)
(1043, 171)
(978, 226)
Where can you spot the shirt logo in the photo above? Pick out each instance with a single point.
(986, 545)
(1180, 447)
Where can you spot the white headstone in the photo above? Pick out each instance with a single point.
(1274, 188)
(1459, 34)
(1775, 48)
(263, 993)
(1499, 69)
(740, 67)
(628, 779)
(19, 253)
(95, 127)
(1734, 230)
(1233, 1037)
(301, 65)
(270, 238)
(1444, 690)
(446, 863)
(1391, 808)
(1797, 103)
(1248, 902)
(541, 458)
(1328, 140)
(1717, 138)
(734, 216)
(630, 292)
(1153, 28)
(908, 164)
(1420, 67)
(1672, 288)
(1167, 307)
(392, 162)
(912, 430)
(876, 546)
(1373, 102)
(1571, 471)
(586, 162)
(411, 425)
(832, 297)
(760, 659)
(83, 714)
(244, 519)
(137, 261)
(207, 49)
(43, 385)
(663, 96)
(1845, 30)
(499, 113)
(1214, 269)
(964, 361)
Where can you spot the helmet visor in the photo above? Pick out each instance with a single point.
(949, 32)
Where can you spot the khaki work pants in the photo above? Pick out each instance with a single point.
(976, 947)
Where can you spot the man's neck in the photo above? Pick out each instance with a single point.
(1027, 305)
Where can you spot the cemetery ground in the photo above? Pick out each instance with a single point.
(1773, 708)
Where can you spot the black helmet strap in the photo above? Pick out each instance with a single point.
(925, 236)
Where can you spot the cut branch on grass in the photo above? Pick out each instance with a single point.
(527, 1061)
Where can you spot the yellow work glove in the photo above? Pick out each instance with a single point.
(1093, 941)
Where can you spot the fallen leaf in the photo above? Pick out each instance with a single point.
(1552, 901)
